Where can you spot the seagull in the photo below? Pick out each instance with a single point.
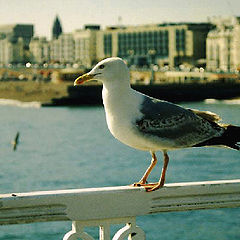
(150, 124)
(15, 141)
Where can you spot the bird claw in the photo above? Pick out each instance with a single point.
(138, 184)
(153, 187)
(149, 187)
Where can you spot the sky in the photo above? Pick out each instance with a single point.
(74, 14)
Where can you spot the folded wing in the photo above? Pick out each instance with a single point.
(184, 127)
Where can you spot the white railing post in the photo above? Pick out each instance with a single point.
(104, 232)
(131, 230)
(77, 232)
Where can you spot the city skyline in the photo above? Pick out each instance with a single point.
(74, 14)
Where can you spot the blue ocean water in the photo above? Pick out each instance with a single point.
(70, 147)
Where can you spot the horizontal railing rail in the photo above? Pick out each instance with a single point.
(113, 205)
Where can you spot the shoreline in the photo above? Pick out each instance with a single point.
(17, 103)
(65, 94)
(30, 91)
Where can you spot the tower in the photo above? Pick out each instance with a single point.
(57, 28)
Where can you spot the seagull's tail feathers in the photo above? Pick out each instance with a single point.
(229, 138)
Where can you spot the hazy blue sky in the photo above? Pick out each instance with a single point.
(75, 13)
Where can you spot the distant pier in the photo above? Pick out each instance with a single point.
(92, 94)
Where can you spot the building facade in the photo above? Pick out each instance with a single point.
(12, 51)
(85, 45)
(54, 46)
(39, 50)
(15, 31)
(14, 43)
(66, 48)
(77, 47)
(223, 45)
(162, 44)
(62, 49)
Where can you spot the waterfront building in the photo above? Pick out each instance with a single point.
(170, 44)
(12, 51)
(54, 51)
(223, 45)
(62, 49)
(57, 28)
(15, 31)
(39, 50)
(66, 48)
(14, 43)
(85, 45)
(77, 47)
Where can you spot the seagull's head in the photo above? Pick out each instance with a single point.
(109, 70)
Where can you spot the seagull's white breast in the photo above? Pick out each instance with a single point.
(121, 113)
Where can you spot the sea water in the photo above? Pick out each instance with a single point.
(71, 147)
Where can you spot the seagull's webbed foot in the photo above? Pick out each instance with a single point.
(148, 186)
(142, 184)
(152, 187)
(139, 184)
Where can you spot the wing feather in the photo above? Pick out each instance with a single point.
(209, 116)
(171, 122)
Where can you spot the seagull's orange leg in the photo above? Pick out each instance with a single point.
(153, 187)
(143, 180)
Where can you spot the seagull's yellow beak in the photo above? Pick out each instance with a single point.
(83, 78)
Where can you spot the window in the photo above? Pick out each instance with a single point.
(107, 44)
(180, 39)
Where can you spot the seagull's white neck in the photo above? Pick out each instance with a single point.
(116, 94)
(116, 85)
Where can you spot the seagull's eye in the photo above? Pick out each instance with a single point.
(102, 66)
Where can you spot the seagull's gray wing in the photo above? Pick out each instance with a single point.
(173, 123)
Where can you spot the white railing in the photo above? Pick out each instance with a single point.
(103, 207)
